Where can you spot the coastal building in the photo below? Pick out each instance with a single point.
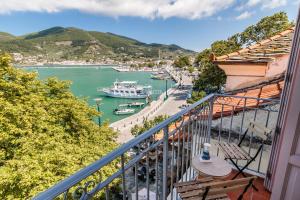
(258, 62)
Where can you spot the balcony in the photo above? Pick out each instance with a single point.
(160, 157)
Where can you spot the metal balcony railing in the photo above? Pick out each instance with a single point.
(161, 156)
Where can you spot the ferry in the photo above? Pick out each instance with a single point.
(128, 89)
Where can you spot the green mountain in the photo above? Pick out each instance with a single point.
(58, 43)
(6, 36)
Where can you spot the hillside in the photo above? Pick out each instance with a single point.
(58, 44)
(6, 36)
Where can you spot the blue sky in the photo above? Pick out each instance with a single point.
(192, 24)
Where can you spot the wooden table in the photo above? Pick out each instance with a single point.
(216, 167)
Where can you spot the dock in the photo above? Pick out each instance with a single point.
(129, 69)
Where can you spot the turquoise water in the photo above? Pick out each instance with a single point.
(86, 80)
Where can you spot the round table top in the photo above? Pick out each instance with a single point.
(216, 166)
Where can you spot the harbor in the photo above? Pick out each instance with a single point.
(123, 113)
(86, 81)
(176, 98)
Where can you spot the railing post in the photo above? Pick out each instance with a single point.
(165, 161)
(123, 177)
(210, 116)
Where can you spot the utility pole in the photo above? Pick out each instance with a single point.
(98, 103)
(166, 89)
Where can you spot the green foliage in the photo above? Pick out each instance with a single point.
(191, 69)
(46, 133)
(265, 28)
(203, 57)
(182, 61)
(222, 47)
(161, 63)
(212, 77)
(150, 64)
(196, 96)
(137, 130)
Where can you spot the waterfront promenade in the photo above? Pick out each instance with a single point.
(176, 98)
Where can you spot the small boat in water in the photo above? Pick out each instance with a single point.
(160, 77)
(157, 77)
(136, 104)
(133, 104)
(123, 111)
(128, 89)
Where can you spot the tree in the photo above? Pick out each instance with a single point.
(265, 28)
(137, 130)
(46, 133)
(203, 57)
(196, 95)
(162, 62)
(182, 61)
(210, 79)
(191, 69)
(150, 64)
(222, 47)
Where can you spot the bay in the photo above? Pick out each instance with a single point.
(86, 79)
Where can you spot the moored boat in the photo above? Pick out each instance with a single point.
(136, 104)
(157, 77)
(160, 77)
(128, 89)
(124, 111)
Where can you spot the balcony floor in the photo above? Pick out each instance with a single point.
(261, 194)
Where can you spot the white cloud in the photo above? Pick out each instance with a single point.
(274, 4)
(190, 9)
(269, 4)
(253, 2)
(193, 9)
(244, 15)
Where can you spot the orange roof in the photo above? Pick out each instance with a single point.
(261, 52)
(267, 88)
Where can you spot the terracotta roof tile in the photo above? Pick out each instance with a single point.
(263, 51)
(269, 88)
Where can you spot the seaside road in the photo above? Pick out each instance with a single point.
(176, 98)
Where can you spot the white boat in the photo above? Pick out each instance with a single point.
(128, 89)
(136, 104)
(133, 104)
(123, 111)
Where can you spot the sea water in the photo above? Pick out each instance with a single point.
(86, 79)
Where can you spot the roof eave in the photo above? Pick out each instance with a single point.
(239, 62)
